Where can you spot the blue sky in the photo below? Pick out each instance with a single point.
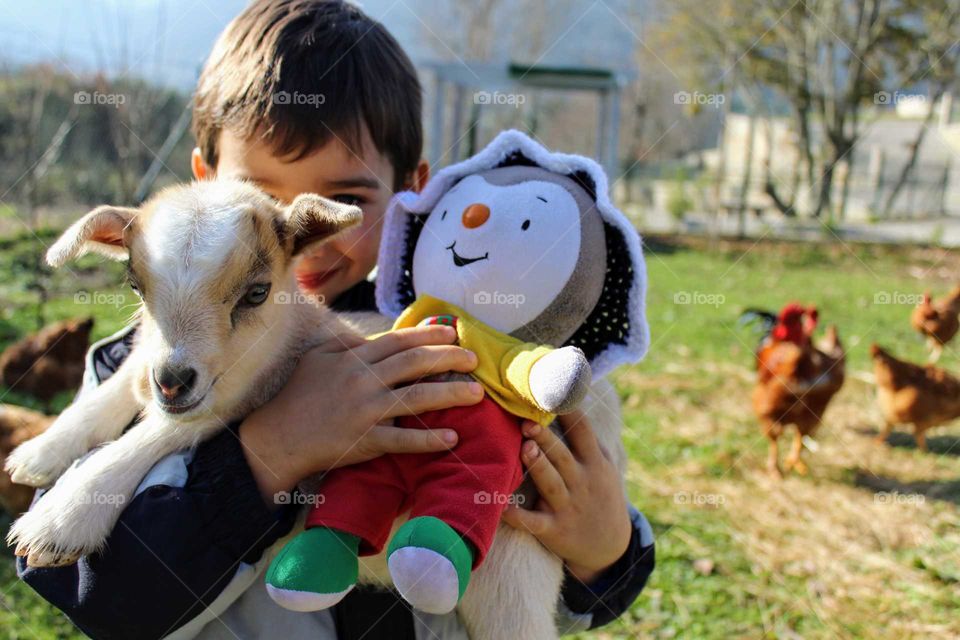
(166, 41)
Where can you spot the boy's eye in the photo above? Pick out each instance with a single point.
(347, 198)
(255, 295)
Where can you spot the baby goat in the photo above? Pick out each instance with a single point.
(221, 328)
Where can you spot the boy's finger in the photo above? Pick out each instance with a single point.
(341, 342)
(576, 427)
(403, 339)
(429, 396)
(386, 439)
(414, 364)
(550, 485)
(554, 448)
(536, 522)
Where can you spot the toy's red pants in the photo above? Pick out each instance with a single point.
(467, 487)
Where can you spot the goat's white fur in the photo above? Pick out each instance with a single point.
(513, 594)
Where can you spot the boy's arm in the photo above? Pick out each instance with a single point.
(195, 520)
(588, 606)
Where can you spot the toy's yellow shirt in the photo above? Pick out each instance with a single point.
(504, 363)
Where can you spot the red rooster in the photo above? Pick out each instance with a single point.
(795, 379)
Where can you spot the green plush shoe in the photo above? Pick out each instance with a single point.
(315, 570)
(430, 564)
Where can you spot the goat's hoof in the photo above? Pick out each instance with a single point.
(30, 465)
(47, 558)
(29, 475)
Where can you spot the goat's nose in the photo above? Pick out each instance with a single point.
(475, 215)
(174, 382)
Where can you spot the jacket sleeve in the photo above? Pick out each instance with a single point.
(195, 521)
(590, 606)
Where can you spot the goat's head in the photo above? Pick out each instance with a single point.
(212, 263)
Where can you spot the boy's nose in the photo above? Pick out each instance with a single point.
(475, 215)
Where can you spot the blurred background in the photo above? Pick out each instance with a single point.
(768, 151)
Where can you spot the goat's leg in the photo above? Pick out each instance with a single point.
(98, 415)
(921, 437)
(77, 514)
(514, 592)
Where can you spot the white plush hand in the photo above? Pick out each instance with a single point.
(560, 380)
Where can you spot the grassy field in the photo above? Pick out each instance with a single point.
(866, 545)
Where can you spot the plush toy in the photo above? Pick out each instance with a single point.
(545, 281)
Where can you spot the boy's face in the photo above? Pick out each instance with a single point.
(363, 177)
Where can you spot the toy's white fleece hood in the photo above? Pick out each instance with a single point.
(616, 332)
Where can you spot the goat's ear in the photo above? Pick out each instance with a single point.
(100, 231)
(311, 218)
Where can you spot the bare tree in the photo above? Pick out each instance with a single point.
(937, 56)
(828, 59)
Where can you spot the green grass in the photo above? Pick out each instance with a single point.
(820, 556)
(690, 432)
(89, 287)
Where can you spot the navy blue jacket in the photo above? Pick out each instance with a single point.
(177, 546)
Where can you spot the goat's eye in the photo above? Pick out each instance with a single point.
(255, 295)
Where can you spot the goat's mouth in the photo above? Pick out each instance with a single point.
(460, 261)
(181, 408)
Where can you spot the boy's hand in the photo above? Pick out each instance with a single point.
(582, 513)
(336, 408)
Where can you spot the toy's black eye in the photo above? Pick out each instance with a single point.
(443, 216)
(255, 295)
(525, 225)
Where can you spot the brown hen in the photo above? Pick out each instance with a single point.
(924, 396)
(17, 425)
(795, 381)
(938, 320)
(47, 362)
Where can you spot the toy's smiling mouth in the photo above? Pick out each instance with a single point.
(460, 261)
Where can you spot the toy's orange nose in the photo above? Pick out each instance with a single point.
(475, 215)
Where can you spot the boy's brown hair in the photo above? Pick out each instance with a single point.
(299, 73)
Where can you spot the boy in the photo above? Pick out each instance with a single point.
(185, 558)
